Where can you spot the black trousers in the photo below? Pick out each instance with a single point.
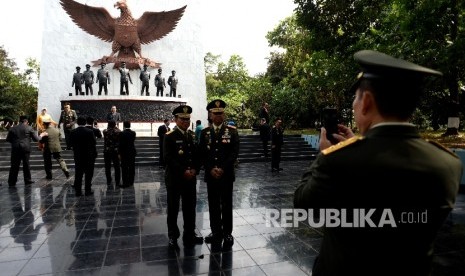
(186, 192)
(18, 155)
(124, 84)
(109, 158)
(265, 148)
(48, 161)
(161, 159)
(220, 194)
(83, 166)
(160, 90)
(173, 92)
(275, 157)
(78, 90)
(146, 86)
(128, 169)
(67, 131)
(104, 85)
(89, 89)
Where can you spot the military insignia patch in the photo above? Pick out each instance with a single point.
(341, 145)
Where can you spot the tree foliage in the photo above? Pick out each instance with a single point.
(321, 37)
(18, 95)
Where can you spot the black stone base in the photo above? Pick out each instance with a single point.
(134, 110)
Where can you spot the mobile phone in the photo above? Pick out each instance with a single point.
(330, 120)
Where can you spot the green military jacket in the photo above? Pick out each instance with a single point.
(391, 168)
(52, 141)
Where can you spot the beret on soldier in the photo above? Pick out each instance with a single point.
(379, 66)
(216, 106)
(182, 111)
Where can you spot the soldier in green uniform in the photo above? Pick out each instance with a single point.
(182, 167)
(219, 147)
(69, 118)
(406, 186)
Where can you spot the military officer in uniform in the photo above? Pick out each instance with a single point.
(219, 148)
(52, 148)
(68, 117)
(389, 171)
(277, 141)
(182, 167)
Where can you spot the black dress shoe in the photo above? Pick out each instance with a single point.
(89, 193)
(67, 174)
(29, 182)
(228, 241)
(192, 240)
(173, 243)
(213, 238)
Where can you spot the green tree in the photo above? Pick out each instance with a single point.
(18, 95)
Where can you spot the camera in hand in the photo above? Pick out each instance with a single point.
(330, 120)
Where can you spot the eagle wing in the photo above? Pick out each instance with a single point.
(94, 20)
(152, 26)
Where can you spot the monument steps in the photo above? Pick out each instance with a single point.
(294, 148)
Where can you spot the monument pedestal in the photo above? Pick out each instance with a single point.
(136, 109)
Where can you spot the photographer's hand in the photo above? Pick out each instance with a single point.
(344, 134)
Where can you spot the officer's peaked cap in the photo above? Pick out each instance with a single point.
(216, 106)
(182, 111)
(379, 66)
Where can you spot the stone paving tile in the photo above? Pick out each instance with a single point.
(46, 230)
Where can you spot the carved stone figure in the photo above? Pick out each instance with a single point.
(103, 76)
(88, 77)
(160, 83)
(126, 33)
(173, 83)
(145, 78)
(77, 81)
(125, 78)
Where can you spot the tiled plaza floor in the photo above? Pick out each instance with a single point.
(45, 230)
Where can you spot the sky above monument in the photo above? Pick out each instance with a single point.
(230, 27)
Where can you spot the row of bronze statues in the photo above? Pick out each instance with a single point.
(103, 79)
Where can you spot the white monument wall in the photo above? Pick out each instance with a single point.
(65, 46)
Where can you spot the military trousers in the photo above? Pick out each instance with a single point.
(220, 195)
(48, 161)
(185, 191)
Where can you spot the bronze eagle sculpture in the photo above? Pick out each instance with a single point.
(126, 33)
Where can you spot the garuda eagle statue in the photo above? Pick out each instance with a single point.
(126, 33)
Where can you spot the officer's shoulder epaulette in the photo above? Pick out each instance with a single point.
(233, 127)
(439, 145)
(341, 145)
(206, 128)
(169, 132)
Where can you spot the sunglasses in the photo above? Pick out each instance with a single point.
(218, 113)
(185, 119)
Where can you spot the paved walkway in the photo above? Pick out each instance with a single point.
(45, 230)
